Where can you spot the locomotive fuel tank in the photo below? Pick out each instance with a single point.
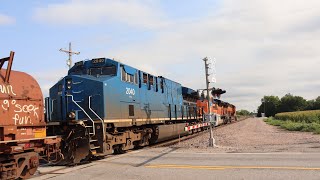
(171, 131)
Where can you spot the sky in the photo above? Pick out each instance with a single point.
(261, 47)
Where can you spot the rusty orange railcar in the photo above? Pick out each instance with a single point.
(22, 124)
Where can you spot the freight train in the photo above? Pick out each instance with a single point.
(101, 107)
(22, 124)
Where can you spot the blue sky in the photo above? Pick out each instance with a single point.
(261, 47)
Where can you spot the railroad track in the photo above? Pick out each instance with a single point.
(184, 138)
(158, 145)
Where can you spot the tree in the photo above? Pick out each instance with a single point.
(243, 112)
(269, 106)
(313, 104)
(317, 103)
(290, 103)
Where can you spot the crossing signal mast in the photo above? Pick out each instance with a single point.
(209, 115)
(70, 52)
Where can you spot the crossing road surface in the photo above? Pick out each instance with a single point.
(171, 163)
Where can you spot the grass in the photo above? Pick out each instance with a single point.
(295, 126)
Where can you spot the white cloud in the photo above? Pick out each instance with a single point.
(6, 20)
(262, 47)
(82, 12)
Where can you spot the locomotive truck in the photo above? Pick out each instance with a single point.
(23, 139)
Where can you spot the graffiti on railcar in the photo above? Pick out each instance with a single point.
(23, 113)
(7, 89)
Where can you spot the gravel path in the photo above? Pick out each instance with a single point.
(253, 135)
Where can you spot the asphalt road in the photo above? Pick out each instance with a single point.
(170, 163)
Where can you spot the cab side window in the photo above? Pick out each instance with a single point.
(150, 82)
(156, 83)
(131, 78)
(123, 74)
(145, 78)
(162, 85)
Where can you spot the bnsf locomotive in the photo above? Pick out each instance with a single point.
(223, 112)
(23, 139)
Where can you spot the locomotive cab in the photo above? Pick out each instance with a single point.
(79, 95)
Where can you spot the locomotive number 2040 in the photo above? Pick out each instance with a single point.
(130, 91)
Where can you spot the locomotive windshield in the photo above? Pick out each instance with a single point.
(109, 70)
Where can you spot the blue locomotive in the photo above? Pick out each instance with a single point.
(104, 106)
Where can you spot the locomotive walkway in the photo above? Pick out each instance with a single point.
(182, 162)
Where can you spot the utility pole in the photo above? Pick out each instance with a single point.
(264, 100)
(69, 61)
(264, 106)
(211, 139)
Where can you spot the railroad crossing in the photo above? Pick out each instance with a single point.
(173, 163)
(259, 156)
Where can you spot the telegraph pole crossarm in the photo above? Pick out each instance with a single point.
(70, 52)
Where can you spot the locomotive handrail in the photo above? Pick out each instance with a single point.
(51, 110)
(94, 129)
(102, 122)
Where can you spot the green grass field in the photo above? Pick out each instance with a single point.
(308, 121)
(295, 126)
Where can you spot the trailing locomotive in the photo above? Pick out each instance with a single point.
(23, 137)
(223, 112)
(103, 106)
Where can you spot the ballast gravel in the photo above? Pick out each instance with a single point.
(252, 135)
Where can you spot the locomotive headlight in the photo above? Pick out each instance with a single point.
(68, 83)
(72, 115)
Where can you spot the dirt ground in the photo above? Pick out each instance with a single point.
(253, 135)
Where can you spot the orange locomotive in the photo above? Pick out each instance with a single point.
(22, 124)
(223, 112)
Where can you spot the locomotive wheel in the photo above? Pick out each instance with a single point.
(27, 164)
(119, 150)
(27, 173)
